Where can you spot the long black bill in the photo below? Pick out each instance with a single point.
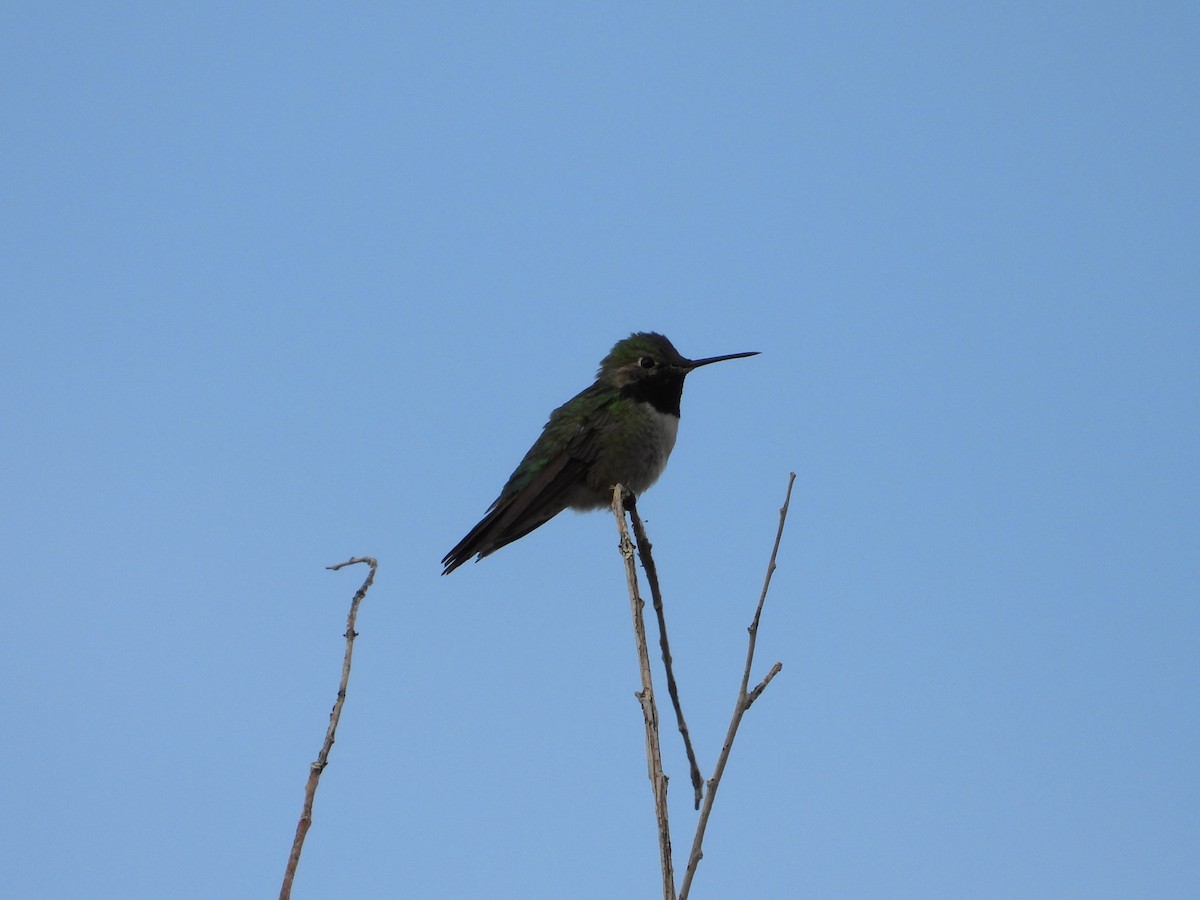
(690, 364)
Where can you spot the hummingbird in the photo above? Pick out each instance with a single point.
(618, 431)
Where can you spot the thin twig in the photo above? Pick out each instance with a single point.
(744, 699)
(315, 770)
(643, 548)
(658, 780)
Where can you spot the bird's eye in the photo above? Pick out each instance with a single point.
(647, 362)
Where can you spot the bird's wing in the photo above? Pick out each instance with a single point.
(545, 488)
(531, 498)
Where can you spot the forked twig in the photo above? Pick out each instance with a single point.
(744, 699)
(658, 780)
(643, 548)
(315, 770)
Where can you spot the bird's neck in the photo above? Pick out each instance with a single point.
(663, 393)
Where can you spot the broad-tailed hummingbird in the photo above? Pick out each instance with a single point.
(618, 431)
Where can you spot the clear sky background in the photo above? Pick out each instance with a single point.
(284, 284)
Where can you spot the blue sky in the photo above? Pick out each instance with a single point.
(286, 284)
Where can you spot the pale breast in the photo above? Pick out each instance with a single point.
(633, 456)
(661, 429)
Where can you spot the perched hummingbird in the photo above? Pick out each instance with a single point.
(618, 431)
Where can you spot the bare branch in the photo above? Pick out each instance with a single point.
(643, 548)
(762, 685)
(744, 699)
(658, 780)
(315, 770)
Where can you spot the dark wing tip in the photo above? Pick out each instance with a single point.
(478, 543)
(456, 558)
